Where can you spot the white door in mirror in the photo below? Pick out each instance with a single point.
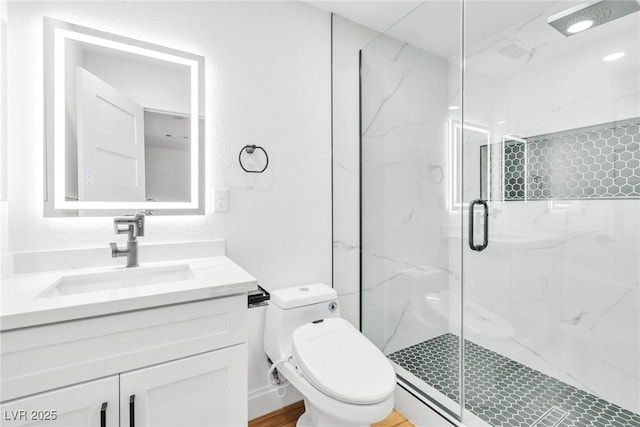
(111, 164)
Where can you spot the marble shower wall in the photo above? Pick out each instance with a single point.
(405, 99)
(405, 117)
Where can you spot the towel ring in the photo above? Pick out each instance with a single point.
(250, 149)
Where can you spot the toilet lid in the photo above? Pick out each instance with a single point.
(342, 363)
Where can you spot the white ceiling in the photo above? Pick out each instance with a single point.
(435, 26)
(378, 15)
(489, 26)
(545, 44)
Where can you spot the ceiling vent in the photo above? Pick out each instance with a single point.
(515, 51)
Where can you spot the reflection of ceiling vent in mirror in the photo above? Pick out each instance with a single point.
(515, 51)
(591, 14)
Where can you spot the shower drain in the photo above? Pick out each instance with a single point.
(551, 418)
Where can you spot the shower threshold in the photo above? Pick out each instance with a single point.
(503, 392)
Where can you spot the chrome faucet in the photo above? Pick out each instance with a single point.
(134, 227)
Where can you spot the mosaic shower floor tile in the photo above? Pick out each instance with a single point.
(504, 392)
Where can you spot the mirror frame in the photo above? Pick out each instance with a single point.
(56, 33)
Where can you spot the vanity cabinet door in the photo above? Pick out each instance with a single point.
(75, 406)
(209, 389)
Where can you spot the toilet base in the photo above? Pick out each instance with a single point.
(314, 418)
(325, 411)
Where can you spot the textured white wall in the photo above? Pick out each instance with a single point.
(4, 225)
(267, 82)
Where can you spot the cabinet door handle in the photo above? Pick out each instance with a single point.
(132, 409)
(103, 415)
(485, 240)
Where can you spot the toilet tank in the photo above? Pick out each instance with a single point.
(293, 307)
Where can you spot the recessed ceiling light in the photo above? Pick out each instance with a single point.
(590, 15)
(454, 107)
(580, 26)
(613, 56)
(501, 122)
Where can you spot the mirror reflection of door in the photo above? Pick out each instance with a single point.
(128, 126)
(111, 153)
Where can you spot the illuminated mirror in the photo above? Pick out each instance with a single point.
(124, 125)
(465, 148)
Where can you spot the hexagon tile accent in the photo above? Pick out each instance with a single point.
(504, 392)
(514, 170)
(601, 161)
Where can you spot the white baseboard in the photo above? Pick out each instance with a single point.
(265, 400)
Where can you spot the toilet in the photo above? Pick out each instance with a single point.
(344, 379)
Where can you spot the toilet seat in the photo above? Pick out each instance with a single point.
(342, 363)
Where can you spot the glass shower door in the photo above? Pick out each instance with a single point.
(411, 224)
(533, 317)
(551, 144)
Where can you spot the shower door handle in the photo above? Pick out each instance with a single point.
(485, 240)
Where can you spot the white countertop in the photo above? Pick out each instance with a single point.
(24, 305)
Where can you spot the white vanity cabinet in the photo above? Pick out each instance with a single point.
(91, 404)
(197, 391)
(204, 390)
(185, 364)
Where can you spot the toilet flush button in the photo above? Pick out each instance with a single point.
(304, 289)
(333, 306)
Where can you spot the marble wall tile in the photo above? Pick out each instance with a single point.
(405, 114)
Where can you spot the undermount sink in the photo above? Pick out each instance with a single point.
(120, 279)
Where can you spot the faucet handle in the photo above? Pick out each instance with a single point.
(139, 224)
(114, 250)
(132, 224)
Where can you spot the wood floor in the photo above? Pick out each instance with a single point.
(287, 417)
